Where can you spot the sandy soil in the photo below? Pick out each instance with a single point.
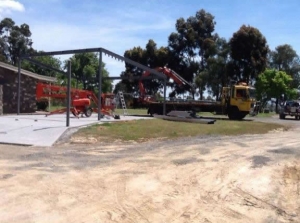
(214, 179)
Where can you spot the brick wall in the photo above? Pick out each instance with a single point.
(9, 80)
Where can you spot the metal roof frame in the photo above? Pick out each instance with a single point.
(68, 73)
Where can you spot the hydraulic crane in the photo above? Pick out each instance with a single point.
(169, 73)
(237, 100)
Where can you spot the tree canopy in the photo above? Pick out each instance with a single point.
(150, 56)
(284, 58)
(249, 51)
(85, 68)
(191, 46)
(14, 40)
(273, 83)
(47, 60)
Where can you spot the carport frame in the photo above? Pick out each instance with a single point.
(68, 73)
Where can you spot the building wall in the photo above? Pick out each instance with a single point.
(9, 80)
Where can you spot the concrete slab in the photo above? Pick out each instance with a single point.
(39, 130)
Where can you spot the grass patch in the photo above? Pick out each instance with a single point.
(143, 130)
(266, 115)
(55, 107)
(120, 111)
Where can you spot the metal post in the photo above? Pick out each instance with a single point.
(19, 87)
(165, 91)
(68, 94)
(100, 85)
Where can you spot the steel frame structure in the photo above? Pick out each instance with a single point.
(69, 71)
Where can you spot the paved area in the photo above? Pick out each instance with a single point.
(39, 130)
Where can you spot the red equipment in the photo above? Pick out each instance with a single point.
(81, 100)
(169, 73)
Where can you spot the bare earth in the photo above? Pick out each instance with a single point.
(253, 178)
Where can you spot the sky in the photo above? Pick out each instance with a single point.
(120, 25)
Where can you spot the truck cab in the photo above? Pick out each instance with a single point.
(238, 100)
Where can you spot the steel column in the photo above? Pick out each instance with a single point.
(68, 94)
(100, 85)
(19, 86)
(165, 91)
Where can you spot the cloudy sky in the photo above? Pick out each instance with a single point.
(119, 25)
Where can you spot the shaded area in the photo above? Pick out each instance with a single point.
(260, 161)
(282, 151)
(185, 161)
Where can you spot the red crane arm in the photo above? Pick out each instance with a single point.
(169, 73)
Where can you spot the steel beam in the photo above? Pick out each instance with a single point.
(46, 66)
(90, 50)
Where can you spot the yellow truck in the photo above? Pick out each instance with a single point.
(237, 101)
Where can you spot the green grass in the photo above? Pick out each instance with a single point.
(143, 130)
(120, 111)
(264, 115)
(55, 107)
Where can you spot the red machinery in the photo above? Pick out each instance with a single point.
(169, 73)
(81, 100)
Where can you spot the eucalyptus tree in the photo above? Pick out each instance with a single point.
(14, 40)
(249, 51)
(150, 56)
(217, 69)
(191, 46)
(85, 69)
(284, 58)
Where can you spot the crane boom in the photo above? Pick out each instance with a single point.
(169, 73)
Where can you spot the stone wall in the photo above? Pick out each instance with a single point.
(9, 80)
(1, 99)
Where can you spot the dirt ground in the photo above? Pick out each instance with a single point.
(252, 178)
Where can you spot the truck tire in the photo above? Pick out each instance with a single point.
(150, 112)
(235, 114)
(281, 116)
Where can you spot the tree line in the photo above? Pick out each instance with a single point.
(202, 57)
(194, 50)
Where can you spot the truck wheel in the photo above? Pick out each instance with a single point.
(234, 114)
(241, 116)
(88, 112)
(150, 112)
(281, 116)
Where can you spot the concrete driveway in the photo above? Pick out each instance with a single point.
(39, 130)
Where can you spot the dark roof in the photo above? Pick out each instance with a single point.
(28, 73)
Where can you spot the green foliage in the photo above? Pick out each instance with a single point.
(249, 53)
(47, 60)
(192, 45)
(14, 40)
(273, 83)
(285, 58)
(217, 69)
(85, 69)
(152, 57)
